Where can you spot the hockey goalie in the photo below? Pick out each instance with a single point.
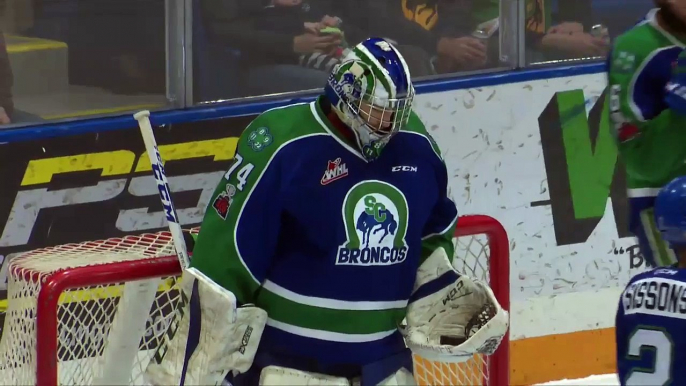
(324, 257)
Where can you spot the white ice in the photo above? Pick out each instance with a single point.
(595, 380)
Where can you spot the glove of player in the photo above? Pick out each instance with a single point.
(465, 319)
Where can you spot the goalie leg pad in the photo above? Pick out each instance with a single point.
(402, 377)
(211, 339)
(283, 376)
(384, 370)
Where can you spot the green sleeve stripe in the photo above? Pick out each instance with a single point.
(332, 303)
(261, 162)
(213, 254)
(416, 126)
(439, 240)
(327, 319)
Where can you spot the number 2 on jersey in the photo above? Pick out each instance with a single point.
(243, 173)
(660, 343)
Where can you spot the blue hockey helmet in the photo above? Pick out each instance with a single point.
(371, 92)
(670, 212)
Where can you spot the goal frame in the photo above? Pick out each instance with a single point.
(126, 271)
(499, 281)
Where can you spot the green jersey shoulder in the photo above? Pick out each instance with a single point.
(277, 127)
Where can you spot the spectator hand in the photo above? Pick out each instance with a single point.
(313, 28)
(4, 118)
(578, 45)
(466, 52)
(308, 43)
(330, 21)
(568, 27)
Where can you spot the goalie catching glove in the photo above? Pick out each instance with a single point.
(213, 336)
(456, 322)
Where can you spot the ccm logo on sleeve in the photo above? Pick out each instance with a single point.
(404, 169)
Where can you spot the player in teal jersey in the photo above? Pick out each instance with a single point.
(334, 218)
(647, 85)
(651, 316)
(647, 82)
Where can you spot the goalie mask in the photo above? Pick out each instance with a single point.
(371, 92)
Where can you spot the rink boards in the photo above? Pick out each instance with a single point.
(530, 148)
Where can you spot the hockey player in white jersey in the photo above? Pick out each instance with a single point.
(334, 221)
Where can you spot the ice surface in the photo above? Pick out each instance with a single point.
(595, 380)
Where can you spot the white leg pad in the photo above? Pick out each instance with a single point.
(283, 376)
(402, 377)
(228, 337)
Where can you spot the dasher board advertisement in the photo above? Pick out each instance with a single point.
(95, 186)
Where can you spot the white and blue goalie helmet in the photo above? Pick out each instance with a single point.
(371, 92)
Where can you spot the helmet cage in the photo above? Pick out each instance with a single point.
(365, 100)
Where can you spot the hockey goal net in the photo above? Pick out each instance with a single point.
(66, 323)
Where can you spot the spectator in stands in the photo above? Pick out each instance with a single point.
(271, 37)
(563, 34)
(281, 41)
(550, 35)
(6, 81)
(312, 48)
(442, 27)
(8, 114)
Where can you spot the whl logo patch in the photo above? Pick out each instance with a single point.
(222, 203)
(375, 215)
(335, 170)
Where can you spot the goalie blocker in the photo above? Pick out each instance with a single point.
(220, 340)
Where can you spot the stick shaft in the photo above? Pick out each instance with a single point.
(157, 164)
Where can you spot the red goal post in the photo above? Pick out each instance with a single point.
(63, 303)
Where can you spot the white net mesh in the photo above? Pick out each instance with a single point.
(86, 319)
(85, 314)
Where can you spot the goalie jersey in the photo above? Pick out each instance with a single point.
(324, 241)
(650, 325)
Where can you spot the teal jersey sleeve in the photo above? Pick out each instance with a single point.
(651, 137)
(240, 228)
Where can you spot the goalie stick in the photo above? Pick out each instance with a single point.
(201, 340)
(137, 298)
(157, 164)
(143, 118)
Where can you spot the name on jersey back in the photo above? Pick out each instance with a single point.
(656, 296)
